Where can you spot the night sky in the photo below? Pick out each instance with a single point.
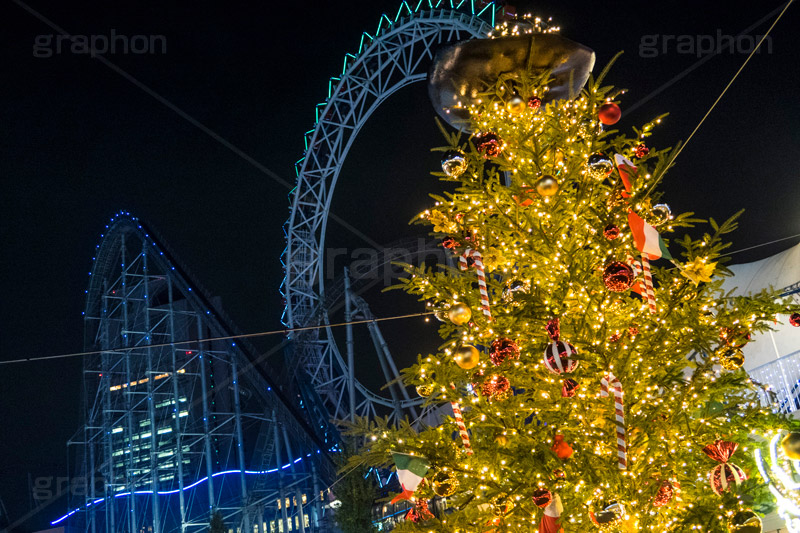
(80, 142)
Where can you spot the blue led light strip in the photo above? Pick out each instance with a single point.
(169, 492)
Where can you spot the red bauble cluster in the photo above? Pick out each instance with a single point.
(496, 387)
(488, 143)
(641, 151)
(609, 113)
(611, 232)
(503, 350)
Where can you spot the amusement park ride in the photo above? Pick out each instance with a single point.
(178, 425)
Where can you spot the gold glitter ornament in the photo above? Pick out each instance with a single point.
(730, 358)
(459, 314)
(467, 356)
(502, 504)
(547, 186)
(425, 390)
(444, 483)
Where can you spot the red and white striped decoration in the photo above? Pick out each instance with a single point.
(557, 357)
(619, 410)
(638, 285)
(478, 261)
(724, 477)
(462, 429)
(648, 283)
(647, 290)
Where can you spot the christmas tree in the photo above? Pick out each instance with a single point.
(590, 358)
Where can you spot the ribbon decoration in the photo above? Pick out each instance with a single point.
(619, 411)
(462, 428)
(647, 291)
(477, 259)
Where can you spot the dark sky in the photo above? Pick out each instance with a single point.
(80, 142)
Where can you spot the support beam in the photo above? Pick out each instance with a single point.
(348, 317)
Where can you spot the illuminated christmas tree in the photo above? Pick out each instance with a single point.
(590, 357)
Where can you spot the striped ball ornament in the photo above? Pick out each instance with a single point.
(725, 476)
(557, 357)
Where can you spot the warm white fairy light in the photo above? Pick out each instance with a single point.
(785, 490)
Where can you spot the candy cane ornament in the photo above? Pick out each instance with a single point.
(648, 283)
(477, 258)
(638, 285)
(619, 411)
(462, 429)
(646, 289)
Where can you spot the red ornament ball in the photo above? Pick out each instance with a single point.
(611, 232)
(633, 331)
(618, 276)
(569, 388)
(488, 143)
(724, 477)
(609, 113)
(449, 243)
(496, 387)
(665, 493)
(734, 337)
(503, 350)
(557, 357)
(795, 320)
(542, 498)
(561, 447)
(534, 102)
(641, 151)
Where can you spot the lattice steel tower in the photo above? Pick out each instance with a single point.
(175, 427)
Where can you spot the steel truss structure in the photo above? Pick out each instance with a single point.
(397, 55)
(177, 427)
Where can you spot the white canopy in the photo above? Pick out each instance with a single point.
(779, 271)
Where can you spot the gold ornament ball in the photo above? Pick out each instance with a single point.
(502, 504)
(459, 314)
(467, 356)
(444, 483)
(791, 446)
(501, 439)
(745, 521)
(424, 390)
(547, 186)
(516, 105)
(731, 358)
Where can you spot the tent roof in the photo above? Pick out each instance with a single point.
(779, 271)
